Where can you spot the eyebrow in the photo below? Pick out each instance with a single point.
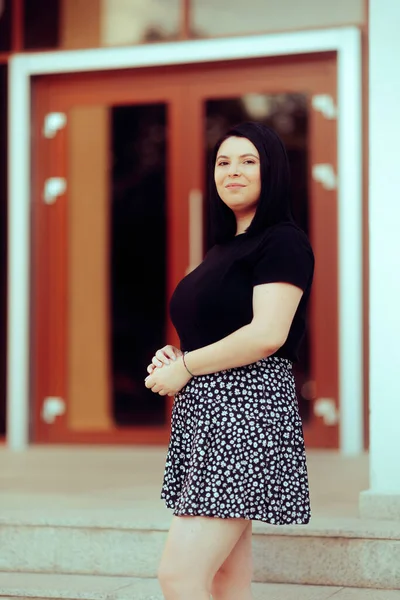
(241, 156)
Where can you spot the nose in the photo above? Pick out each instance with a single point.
(233, 170)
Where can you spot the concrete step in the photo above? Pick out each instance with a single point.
(336, 552)
(88, 587)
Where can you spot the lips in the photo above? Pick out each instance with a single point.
(234, 185)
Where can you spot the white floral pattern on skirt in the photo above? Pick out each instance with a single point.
(237, 448)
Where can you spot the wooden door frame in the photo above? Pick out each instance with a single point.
(183, 89)
(346, 42)
(49, 317)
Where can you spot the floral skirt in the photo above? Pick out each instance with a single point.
(237, 448)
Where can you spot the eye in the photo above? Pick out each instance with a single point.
(249, 161)
(221, 163)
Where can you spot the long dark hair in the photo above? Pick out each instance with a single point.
(274, 205)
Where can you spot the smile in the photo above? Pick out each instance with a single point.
(234, 185)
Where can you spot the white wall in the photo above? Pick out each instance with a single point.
(384, 226)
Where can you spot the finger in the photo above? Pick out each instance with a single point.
(177, 351)
(156, 388)
(156, 362)
(160, 354)
(171, 352)
(150, 383)
(163, 392)
(150, 368)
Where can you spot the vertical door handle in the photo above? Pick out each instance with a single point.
(195, 229)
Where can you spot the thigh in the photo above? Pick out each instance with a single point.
(196, 547)
(238, 566)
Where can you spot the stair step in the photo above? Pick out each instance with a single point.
(334, 552)
(96, 511)
(24, 586)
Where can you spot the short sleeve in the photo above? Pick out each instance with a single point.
(284, 256)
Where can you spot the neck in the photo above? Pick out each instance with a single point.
(243, 223)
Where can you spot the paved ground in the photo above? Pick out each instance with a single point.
(123, 484)
(121, 588)
(55, 478)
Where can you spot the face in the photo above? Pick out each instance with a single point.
(237, 175)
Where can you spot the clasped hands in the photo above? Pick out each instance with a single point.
(167, 372)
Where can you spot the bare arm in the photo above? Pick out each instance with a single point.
(274, 306)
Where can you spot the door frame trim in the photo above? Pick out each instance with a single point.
(346, 42)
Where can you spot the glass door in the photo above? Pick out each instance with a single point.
(119, 180)
(117, 167)
(106, 232)
(286, 96)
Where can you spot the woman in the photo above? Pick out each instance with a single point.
(236, 452)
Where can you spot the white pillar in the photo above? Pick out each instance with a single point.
(382, 500)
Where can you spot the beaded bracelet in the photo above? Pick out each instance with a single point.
(184, 362)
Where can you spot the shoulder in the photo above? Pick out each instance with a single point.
(284, 254)
(286, 238)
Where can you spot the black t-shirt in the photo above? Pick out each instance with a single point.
(216, 298)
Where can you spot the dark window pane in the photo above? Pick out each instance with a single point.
(41, 24)
(5, 25)
(288, 115)
(117, 157)
(138, 258)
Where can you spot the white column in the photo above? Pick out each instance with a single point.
(382, 500)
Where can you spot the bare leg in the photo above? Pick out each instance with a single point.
(233, 579)
(196, 548)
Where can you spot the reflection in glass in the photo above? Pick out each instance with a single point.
(138, 258)
(42, 19)
(140, 21)
(288, 115)
(211, 18)
(90, 23)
